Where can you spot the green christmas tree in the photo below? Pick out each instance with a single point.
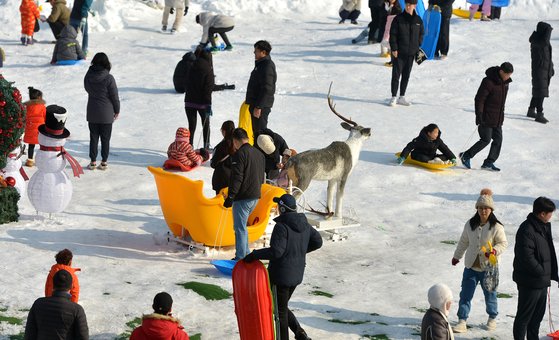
(12, 119)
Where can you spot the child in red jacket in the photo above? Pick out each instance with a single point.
(181, 154)
(29, 15)
(36, 113)
(64, 261)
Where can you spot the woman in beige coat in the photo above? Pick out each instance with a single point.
(482, 228)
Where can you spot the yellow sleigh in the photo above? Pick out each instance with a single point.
(189, 213)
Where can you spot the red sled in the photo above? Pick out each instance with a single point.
(554, 335)
(253, 301)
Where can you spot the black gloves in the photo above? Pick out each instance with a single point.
(250, 258)
(228, 202)
(172, 10)
(185, 10)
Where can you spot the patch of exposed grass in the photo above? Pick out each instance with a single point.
(348, 322)
(488, 338)
(11, 320)
(382, 323)
(197, 336)
(208, 291)
(106, 293)
(374, 314)
(134, 323)
(376, 337)
(3, 309)
(19, 336)
(504, 296)
(450, 242)
(24, 310)
(321, 293)
(420, 310)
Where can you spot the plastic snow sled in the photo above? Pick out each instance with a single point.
(432, 24)
(224, 266)
(245, 122)
(554, 335)
(69, 62)
(253, 301)
(430, 166)
(188, 212)
(464, 13)
(500, 3)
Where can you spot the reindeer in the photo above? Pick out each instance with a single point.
(333, 163)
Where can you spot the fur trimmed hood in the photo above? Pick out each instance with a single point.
(159, 327)
(34, 102)
(161, 317)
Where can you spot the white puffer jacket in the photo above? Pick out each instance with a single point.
(350, 5)
(471, 242)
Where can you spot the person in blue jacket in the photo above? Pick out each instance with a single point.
(293, 237)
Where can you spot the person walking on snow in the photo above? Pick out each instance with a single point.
(215, 24)
(78, 20)
(534, 266)
(542, 69)
(181, 6)
(490, 113)
(292, 238)
(29, 15)
(482, 228)
(406, 36)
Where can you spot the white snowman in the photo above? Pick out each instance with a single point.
(14, 169)
(50, 188)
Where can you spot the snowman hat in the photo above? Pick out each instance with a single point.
(54, 123)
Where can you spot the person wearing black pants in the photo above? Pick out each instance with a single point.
(534, 266)
(204, 114)
(378, 21)
(542, 69)
(97, 131)
(293, 237)
(406, 36)
(444, 33)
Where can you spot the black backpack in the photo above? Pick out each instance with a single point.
(181, 72)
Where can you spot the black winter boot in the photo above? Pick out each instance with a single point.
(541, 119)
(531, 112)
(301, 335)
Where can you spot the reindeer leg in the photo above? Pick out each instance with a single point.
(339, 198)
(330, 195)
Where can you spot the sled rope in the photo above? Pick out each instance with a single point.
(551, 326)
(219, 227)
(469, 139)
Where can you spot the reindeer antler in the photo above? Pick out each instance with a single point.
(333, 108)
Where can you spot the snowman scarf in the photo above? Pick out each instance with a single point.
(76, 167)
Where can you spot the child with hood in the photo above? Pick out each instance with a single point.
(424, 147)
(160, 324)
(181, 154)
(435, 325)
(542, 69)
(67, 46)
(36, 114)
(64, 262)
(29, 15)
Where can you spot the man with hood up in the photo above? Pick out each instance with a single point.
(67, 46)
(542, 69)
(435, 325)
(293, 237)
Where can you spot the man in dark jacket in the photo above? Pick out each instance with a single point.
(273, 146)
(261, 87)
(198, 97)
(247, 176)
(490, 114)
(444, 33)
(78, 20)
(293, 237)
(56, 317)
(542, 69)
(406, 36)
(535, 265)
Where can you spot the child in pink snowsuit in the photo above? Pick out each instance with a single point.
(392, 8)
(181, 152)
(485, 10)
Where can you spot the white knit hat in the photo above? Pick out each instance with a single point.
(485, 199)
(266, 144)
(438, 295)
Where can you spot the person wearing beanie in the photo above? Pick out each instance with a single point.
(160, 324)
(534, 267)
(482, 228)
(406, 36)
(542, 69)
(36, 115)
(56, 316)
(292, 238)
(435, 325)
(490, 113)
(272, 146)
(64, 262)
(181, 153)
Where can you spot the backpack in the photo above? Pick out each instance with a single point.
(181, 72)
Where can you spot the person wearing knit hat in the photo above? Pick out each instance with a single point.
(160, 324)
(481, 232)
(406, 36)
(272, 146)
(435, 325)
(181, 154)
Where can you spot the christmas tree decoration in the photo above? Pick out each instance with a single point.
(12, 119)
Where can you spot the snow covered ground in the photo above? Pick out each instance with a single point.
(378, 276)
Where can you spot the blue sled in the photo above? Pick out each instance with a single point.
(220, 47)
(69, 62)
(432, 24)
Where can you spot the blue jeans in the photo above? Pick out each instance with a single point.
(470, 279)
(76, 23)
(241, 211)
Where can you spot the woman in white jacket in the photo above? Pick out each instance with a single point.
(350, 10)
(480, 229)
(181, 8)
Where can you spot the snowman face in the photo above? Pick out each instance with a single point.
(12, 165)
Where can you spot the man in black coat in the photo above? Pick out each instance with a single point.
(542, 69)
(261, 87)
(490, 114)
(56, 317)
(273, 146)
(535, 265)
(406, 36)
(247, 177)
(293, 237)
(444, 33)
